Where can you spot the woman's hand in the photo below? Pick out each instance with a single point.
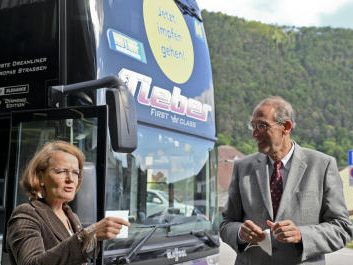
(109, 227)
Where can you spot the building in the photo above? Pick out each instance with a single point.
(226, 156)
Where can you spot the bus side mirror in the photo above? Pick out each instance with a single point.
(122, 111)
(122, 119)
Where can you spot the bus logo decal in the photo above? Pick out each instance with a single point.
(12, 90)
(163, 99)
(121, 43)
(176, 253)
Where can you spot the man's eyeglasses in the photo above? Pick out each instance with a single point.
(261, 126)
(65, 172)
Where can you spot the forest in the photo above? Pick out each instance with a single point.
(311, 67)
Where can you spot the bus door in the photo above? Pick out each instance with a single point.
(85, 127)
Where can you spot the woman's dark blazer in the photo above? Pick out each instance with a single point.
(35, 235)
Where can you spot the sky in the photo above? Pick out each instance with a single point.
(299, 13)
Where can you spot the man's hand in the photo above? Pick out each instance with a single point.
(285, 231)
(251, 233)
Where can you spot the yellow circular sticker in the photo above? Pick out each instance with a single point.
(169, 38)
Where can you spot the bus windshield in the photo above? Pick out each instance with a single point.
(169, 178)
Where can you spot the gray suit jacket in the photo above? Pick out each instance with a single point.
(35, 235)
(312, 199)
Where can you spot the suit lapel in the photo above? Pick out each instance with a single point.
(262, 176)
(51, 220)
(294, 177)
(75, 222)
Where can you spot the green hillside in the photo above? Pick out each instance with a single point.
(310, 67)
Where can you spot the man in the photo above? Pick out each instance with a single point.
(301, 200)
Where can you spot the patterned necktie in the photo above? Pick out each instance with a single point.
(276, 186)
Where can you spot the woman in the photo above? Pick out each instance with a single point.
(45, 230)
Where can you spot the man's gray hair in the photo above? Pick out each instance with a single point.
(283, 109)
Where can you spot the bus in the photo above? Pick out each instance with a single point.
(129, 82)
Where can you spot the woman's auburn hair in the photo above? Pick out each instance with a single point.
(36, 167)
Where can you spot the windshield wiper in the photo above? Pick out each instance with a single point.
(206, 237)
(202, 235)
(127, 259)
(189, 10)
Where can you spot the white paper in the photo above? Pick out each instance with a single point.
(124, 232)
(266, 244)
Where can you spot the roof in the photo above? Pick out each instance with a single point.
(226, 156)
